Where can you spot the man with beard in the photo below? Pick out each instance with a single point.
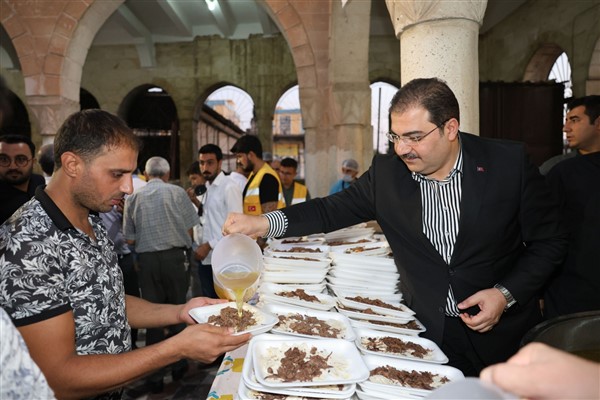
(17, 182)
(61, 283)
(223, 195)
(263, 191)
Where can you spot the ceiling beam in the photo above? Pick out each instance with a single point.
(140, 32)
(177, 17)
(224, 18)
(268, 26)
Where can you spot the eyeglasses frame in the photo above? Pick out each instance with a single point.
(411, 141)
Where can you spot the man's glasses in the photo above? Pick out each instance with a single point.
(20, 161)
(412, 140)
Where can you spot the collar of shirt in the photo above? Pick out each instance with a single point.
(458, 167)
(218, 180)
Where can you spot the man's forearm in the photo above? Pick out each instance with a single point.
(143, 314)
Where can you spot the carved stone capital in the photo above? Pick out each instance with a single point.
(405, 13)
(51, 111)
(348, 104)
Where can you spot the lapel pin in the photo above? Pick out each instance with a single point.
(480, 169)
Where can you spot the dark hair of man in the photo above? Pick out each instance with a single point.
(432, 94)
(89, 133)
(591, 104)
(211, 149)
(14, 139)
(247, 144)
(46, 159)
(193, 169)
(289, 163)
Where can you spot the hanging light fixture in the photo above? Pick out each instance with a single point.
(212, 4)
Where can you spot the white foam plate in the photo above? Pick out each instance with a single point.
(348, 366)
(369, 249)
(380, 310)
(269, 292)
(357, 259)
(436, 355)
(374, 317)
(283, 309)
(302, 261)
(292, 277)
(283, 250)
(373, 362)
(361, 290)
(364, 282)
(309, 287)
(350, 273)
(298, 241)
(266, 320)
(359, 323)
(249, 378)
(392, 297)
(298, 269)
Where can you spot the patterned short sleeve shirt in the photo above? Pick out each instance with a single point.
(48, 267)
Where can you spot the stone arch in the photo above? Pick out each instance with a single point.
(592, 85)
(541, 62)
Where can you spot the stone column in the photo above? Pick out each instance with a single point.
(439, 38)
(50, 112)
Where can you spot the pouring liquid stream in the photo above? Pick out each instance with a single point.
(239, 286)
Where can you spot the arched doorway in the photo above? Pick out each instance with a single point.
(150, 111)
(288, 131)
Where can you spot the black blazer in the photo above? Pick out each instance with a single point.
(509, 233)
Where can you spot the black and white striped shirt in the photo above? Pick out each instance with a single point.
(441, 214)
(440, 202)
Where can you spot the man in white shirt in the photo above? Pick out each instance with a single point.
(223, 196)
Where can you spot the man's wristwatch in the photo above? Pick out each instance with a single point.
(510, 300)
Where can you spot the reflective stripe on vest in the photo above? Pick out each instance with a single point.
(300, 192)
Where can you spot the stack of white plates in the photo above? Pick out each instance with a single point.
(339, 382)
(298, 240)
(353, 275)
(352, 233)
(295, 269)
(377, 389)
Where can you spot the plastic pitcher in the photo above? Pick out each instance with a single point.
(236, 264)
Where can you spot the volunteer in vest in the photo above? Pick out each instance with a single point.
(263, 190)
(293, 192)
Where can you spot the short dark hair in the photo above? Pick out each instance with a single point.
(211, 149)
(289, 162)
(247, 144)
(591, 104)
(194, 168)
(89, 132)
(46, 158)
(14, 139)
(433, 94)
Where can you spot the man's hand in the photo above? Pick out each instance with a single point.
(184, 315)
(491, 303)
(206, 342)
(539, 371)
(202, 251)
(192, 196)
(252, 225)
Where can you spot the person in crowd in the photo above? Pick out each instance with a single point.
(293, 192)
(17, 180)
(575, 286)
(541, 372)
(473, 227)
(582, 132)
(62, 286)
(349, 176)
(262, 192)
(113, 221)
(273, 162)
(223, 196)
(45, 158)
(196, 193)
(240, 176)
(158, 220)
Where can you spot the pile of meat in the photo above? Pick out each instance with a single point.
(307, 325)
(343, 242)
(299, 249)
(374, 302)
(414, 379)
(300, 294)
(409, 325)
(229, 317)
(394, 345)
(359, 249)
(296, 365)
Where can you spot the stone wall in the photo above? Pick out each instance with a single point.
(506, 50)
